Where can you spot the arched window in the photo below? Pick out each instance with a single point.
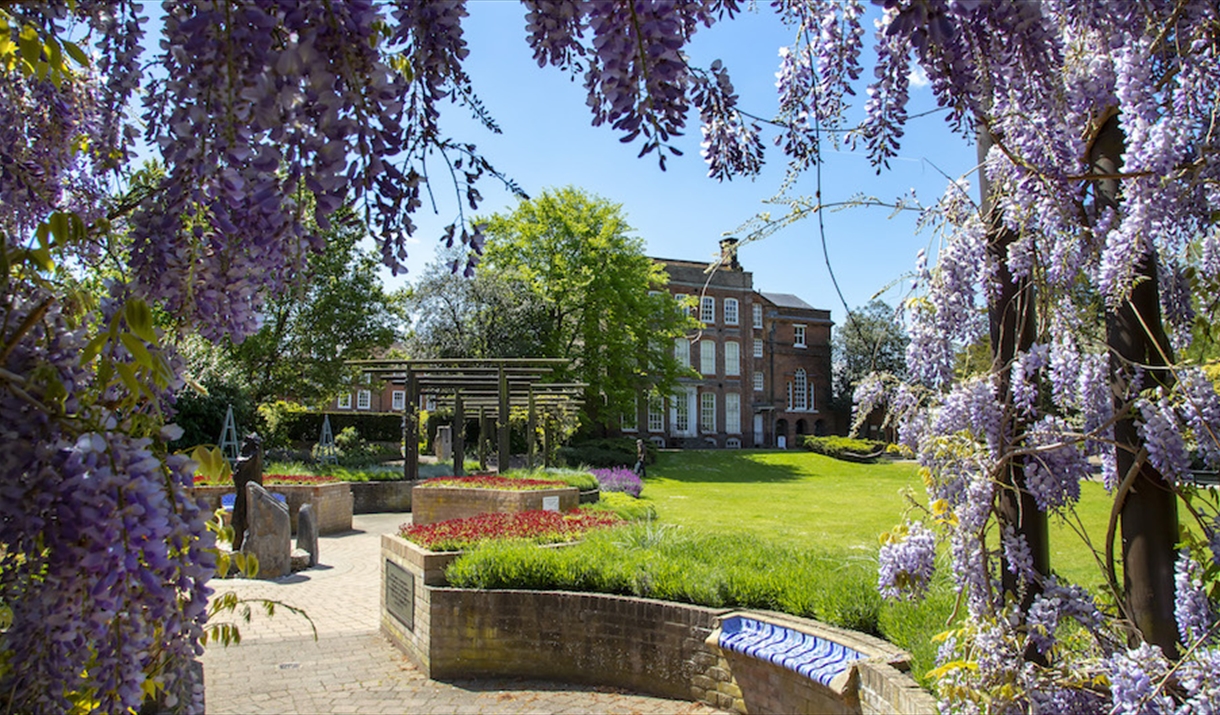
(800, 391)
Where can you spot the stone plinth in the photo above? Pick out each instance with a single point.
(432, 504)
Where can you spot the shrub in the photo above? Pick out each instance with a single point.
(619, 479)
(629, 508)
(844, 447)
(659, 561)
(202, 417)
(609, 452)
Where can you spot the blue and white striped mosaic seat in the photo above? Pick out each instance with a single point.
(228, 500)
(815, 658)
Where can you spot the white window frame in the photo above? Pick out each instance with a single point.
(798, 336)
(707, 357)
(685, 301)
(732, 358)
(730, 311)
(364, 400)
(758, 382)
(707, 309)
(631, 422)
(680, 418)
(732, 413)
(758, 316)
(707, 412)
(656, 413)
(398, 400)
(344, 402)
(757, 347)
(789, 396)
(682, 352)
(800, 391)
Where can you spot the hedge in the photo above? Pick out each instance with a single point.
(845, 447)
(371, 426)
(609, 452)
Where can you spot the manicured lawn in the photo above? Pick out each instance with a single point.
(806, 499)
(799, 497)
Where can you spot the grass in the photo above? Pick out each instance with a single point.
(801, 498)
(812, 501)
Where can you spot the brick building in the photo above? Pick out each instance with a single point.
(763, 360)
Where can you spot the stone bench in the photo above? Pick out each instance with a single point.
(808, 655)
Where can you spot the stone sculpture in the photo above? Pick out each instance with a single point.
(307, 533)
(249, 470)
(269, 533)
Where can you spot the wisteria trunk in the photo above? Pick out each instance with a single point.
(1146, 504)
(1012, 324)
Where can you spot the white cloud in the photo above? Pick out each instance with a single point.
(918, 78)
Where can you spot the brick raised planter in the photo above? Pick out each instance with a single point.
(332, 503)
(381, 497)
(432, 504)
(656, 647)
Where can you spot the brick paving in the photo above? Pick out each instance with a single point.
(350, 668)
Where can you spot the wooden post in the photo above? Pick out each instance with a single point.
(410, 430)
(459, 436)
(1148, 508)
(532, 427)
(483, 430)
(504, 448)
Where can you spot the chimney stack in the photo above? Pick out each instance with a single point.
(728, 254)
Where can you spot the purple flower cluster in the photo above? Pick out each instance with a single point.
(1057, 464)
(907, 562)
(104, 566)
(1137, 678)
(618, 479)
(1191, 608)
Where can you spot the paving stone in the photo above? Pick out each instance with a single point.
(351, 668)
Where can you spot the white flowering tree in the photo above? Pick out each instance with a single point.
(1099, 121)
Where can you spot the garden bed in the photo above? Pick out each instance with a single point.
(431, 504)
(332, 502)
(646, 645)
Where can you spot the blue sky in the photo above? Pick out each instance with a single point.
(548, 141)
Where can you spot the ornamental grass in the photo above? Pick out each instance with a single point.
(536, 527)
(487, 481)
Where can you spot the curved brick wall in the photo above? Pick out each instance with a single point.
(649, 646)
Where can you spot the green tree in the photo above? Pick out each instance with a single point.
(605, 303)
(490, 315)
(871, 339)
(337, 311)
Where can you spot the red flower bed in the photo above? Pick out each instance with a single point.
(487, 481)
(542, 527)
(304, 479)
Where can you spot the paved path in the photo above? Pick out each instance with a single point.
(351, 668)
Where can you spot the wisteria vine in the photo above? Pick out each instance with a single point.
(269, 116)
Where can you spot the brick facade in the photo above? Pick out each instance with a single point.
(763, 360)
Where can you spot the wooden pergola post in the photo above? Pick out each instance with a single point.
(502, 459)
(459, 437)
(532, 428)
(410, 430)
(483, 439)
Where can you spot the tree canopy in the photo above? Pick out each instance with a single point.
(603, 302)
(870, 339)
